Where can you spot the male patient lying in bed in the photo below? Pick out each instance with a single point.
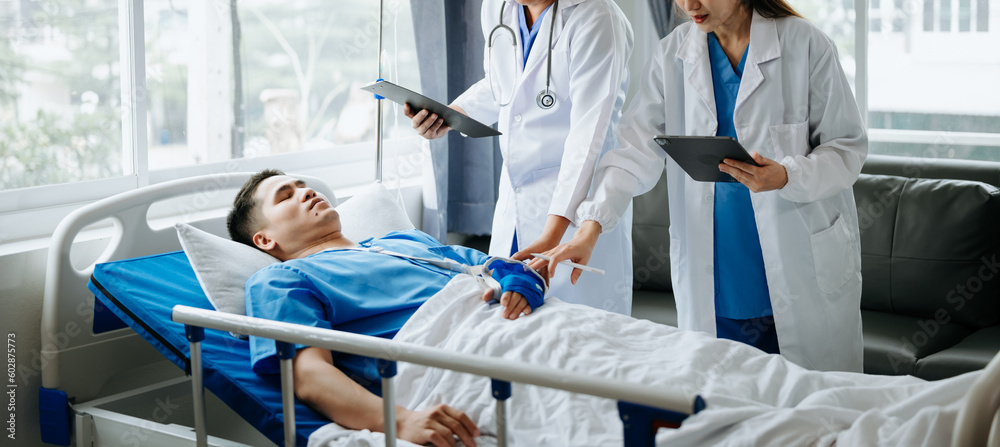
(330, 282)
(753, 398)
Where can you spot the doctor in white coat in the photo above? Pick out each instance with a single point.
(795, 110)
(555, 80)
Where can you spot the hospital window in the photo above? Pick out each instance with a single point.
(928, 15)
(922, 97)
(229, 85)
(60, 111)
(875, 16)
(945, 15)
(983, 15)
(900, 21)
(956, 15)
(926, 99)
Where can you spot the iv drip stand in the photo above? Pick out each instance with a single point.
(378, 130)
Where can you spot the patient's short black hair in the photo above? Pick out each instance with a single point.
(245, 219)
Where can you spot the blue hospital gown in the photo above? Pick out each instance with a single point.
(354, 291)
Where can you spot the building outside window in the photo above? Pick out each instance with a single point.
(931, 65)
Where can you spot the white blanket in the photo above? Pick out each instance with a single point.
(753, 398)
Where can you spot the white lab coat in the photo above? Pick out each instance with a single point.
(549, 156)
(795, 106)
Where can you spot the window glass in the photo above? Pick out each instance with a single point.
(836, 19)
(928, 15)
(928, 88)
(60, 113)
(944, 15)
(900, 22)
(249, 78)
(982, 15)
(964, 15)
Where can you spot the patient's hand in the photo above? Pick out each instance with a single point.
(437, 425)
(514, 304)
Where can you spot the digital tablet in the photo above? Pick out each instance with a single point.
(458, 121)
(700, 156)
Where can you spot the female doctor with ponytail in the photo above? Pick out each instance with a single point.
(773, 260)
(555, 80)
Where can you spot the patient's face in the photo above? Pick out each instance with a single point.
(296, 216)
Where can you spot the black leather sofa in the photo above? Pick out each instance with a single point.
(930, 253)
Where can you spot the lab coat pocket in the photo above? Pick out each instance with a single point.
(536, 201)
(833, 256)
(790, 139)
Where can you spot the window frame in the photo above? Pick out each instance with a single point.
(45, 206)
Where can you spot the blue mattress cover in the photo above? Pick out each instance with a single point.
(143, 291)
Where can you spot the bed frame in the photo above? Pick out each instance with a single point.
(112, 388)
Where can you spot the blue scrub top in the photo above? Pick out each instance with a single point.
(528, 36)
(740, 284)
(354, 291)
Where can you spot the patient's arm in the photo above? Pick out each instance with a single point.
(325, 388)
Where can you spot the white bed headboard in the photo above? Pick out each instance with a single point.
(76, 360)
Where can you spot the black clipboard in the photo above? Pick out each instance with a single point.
(458, 121)
(700, 156)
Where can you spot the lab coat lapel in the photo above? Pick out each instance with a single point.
(764, 46)
(512, 19)
(698, 68)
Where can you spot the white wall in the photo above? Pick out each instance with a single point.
(21, 282)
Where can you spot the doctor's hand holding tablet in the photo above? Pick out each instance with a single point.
(767, 254)
(723, 159)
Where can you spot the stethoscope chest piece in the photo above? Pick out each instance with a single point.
(546, 99)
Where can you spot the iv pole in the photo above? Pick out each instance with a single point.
(378, 130)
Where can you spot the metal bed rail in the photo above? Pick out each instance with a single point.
(642, 408)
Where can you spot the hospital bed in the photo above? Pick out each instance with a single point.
(120, 373)
(123, 366)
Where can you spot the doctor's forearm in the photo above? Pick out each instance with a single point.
(588, 232)
(555, 227)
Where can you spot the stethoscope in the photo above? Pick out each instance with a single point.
(545, 99)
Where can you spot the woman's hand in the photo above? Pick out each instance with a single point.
(429, 127)
(770, 175)
(437, 425)
(555, 228)
(578, 250)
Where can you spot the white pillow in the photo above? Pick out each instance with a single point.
(372, 212)
(223, 266)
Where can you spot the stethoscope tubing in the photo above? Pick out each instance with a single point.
(545, 99)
